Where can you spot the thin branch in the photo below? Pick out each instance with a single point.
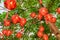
(6, 15)
(55, 30)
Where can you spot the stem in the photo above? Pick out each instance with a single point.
(58, 36)
(6, 16)
(22, 30)
(7, 38)
(55, 30)
(41, 3)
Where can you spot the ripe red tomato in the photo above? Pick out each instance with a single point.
(15, 19)
(33, 14)
(6, 22)
(39, 34)
(39, 16)
(43, 11)
(19, 35)
(45, 37)
(41, 29)
(10, 4)
(22, 22)
(58, 10)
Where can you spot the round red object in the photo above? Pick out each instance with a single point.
(43, 11)
(15, 19)
(33, 14)
(19, 35)
(39, 34)
(10, 4)
(6, 22)
(39, 16)
(41, 29)
(45, 37)
(58, 10)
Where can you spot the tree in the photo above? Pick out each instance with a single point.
(30, 20)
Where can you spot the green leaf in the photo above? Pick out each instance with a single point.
(2, 16)
(47, 30)
(46, 2)
(52, 38)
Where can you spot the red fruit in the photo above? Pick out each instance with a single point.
(39, 34)
(40, 1)
(33, 14)
(53, 20)
(43, 11)
(39, 16)
(48, 17)
(45, 37)
(6, 22)
(15, 19)
(22, 22)
(19, 35)
(41, 29)
(10, 4)
(58, 10)
(4, 32)
(9, 32)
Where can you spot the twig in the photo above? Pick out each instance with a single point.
(6, 16)
(55, 30)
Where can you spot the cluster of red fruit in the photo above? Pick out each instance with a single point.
(43, 13)
(9, 32)
(14, 19)
(41, 34)
(10, 4)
